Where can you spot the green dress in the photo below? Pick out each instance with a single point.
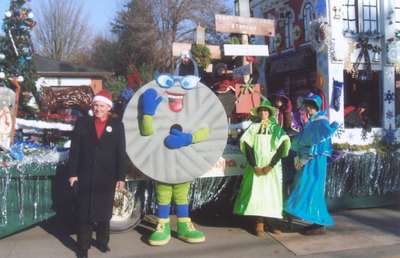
(262, 195)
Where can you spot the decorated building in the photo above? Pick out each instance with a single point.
(347, 49)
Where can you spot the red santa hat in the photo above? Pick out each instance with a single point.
(104, 96)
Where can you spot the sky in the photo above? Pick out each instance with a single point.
(100, 12)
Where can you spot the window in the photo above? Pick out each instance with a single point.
(397, 12)
(349, 16)
(360, 16)
(363, 100)
(288, 30)
(370, 16)
(308, 15)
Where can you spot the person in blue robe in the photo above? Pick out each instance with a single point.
(312, 146)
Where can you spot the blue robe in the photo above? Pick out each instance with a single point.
(307, 199)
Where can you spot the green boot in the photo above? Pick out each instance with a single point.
(188, 233)
(162, 235)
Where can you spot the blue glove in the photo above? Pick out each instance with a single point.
(150, 102)
(176, 139)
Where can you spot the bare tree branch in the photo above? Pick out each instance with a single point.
(62, 32)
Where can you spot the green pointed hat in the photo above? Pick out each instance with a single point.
(265, 104)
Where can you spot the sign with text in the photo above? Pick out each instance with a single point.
(245, 50)
(177, 48)
(244, 25)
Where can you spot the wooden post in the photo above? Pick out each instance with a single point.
(244, 11)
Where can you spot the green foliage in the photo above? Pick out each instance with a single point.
(202, 55)
(115, 86)
(234, 40)
(378, 145)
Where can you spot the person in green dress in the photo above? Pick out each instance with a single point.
(264, 143)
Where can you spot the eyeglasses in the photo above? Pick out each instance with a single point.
(186, 82)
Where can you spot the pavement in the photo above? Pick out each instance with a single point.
(226, 237)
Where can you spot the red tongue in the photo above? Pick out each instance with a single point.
(175, 105)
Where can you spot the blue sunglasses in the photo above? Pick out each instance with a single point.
(168, 80)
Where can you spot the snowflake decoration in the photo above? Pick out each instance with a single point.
(389, 96)
(340, 131)
(364, 135)
(389, 114)
(389, 135)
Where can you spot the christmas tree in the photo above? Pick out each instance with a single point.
(16, 49)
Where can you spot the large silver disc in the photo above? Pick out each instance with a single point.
(201, 108)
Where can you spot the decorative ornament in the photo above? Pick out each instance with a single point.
(389, 135)
(20, 78)
(389, 96)
(8, 14)
(364, 135)
(90, 112)
(364, 47)
(109, 129)
(336, 94)
(2, 56)
(340, 131)
(2, 75)
(336, 12)
(30, 15)
(320, 35)
(389, 114)
(297, 32)
(13, 43)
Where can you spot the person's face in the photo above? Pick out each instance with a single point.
(185, 60)
(100, 109)
(310, 109)
(278, 102)
(264, 114)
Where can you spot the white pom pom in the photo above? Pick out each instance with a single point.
(20, 78)
(2, 56)
(30, 15)
(8, 14)
(2, 75)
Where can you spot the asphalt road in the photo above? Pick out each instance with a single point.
(225, 238)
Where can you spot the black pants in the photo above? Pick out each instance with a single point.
(85, 231)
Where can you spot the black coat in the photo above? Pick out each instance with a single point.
(98, 164)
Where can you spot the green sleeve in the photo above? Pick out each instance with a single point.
(200, 135)
(147, 125)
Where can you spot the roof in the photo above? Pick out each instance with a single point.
(51, 68)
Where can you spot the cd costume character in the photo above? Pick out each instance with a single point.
(180, 134)
(264, 143)
(97, 165)
(313, 147)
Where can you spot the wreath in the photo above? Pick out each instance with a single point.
(201, 54)
(297, 32)
(320, 35)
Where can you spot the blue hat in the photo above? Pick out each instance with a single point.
(316, 99)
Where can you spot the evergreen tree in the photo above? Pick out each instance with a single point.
(16, 48)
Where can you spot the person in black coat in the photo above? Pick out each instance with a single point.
(97, 166)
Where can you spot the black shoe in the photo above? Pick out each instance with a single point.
(104, 248)
(82, 254)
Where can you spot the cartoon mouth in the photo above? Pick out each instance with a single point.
(175, 101)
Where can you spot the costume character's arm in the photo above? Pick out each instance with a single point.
(177, 139)
(149, 103)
